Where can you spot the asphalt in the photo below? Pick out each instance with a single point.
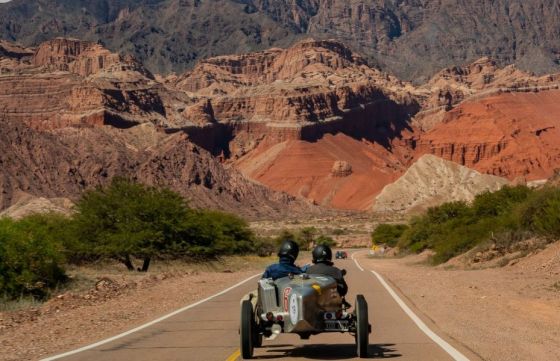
(209, 332)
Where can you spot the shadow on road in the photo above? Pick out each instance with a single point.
(327, 351)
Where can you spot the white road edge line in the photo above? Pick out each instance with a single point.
(102, 342)
(452, 351)
(356, 262)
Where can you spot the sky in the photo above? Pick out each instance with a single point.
(5, 1)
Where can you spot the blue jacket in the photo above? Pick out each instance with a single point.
(283, 268)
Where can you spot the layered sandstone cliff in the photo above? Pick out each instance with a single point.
(508, 135)
(313, 88)
(70, 82)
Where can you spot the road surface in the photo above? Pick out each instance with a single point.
(209, 331)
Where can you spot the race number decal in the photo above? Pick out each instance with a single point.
(294, 309)
(287, 291)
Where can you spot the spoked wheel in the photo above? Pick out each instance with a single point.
(362, 326)
(247, 330)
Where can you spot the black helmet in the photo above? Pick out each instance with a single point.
(322, 253)
(288, 248)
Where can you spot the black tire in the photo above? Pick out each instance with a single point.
(246, 330)
(257, 338)
(362, 327)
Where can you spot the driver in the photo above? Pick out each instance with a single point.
(323, 265)
(287, 255)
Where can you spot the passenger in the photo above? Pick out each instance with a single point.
(287, 254)
(323, 265)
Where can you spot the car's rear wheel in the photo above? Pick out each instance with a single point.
(247, 329)
(362, 327)
(257, 338)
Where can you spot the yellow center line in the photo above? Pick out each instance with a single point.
(234, 356)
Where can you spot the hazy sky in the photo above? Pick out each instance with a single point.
(4, 1)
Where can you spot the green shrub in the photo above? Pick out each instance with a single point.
(541, 213)
(388, 234)
(447, 212)
(31, 257)
(493, 204)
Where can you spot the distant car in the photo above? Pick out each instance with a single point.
(341, 255)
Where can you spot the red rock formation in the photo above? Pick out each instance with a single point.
(305, 169)
(509, 135)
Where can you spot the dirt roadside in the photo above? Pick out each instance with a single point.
(117, 302)
(509, 313)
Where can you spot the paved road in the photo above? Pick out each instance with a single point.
(209, 332)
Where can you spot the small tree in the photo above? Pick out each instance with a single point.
(129, 219)
(307, 236)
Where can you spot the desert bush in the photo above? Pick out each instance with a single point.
(388, 234)
(212, 233)
(128, 219)
(493, 204)
(265, 247)
(286, 235)
(509, 215)
(325, 240)
(31, 256)
(306, 237)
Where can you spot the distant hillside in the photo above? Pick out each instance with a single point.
(432, 181)
(410, 38)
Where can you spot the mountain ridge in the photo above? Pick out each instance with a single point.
(412, 39)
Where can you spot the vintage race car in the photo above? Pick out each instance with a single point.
(302, 304)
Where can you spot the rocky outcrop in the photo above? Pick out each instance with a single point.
(478, 80)
(341, 168)
(83, 58)
(431, 181)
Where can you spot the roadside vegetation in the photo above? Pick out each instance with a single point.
(125, 221)
(507, 216)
